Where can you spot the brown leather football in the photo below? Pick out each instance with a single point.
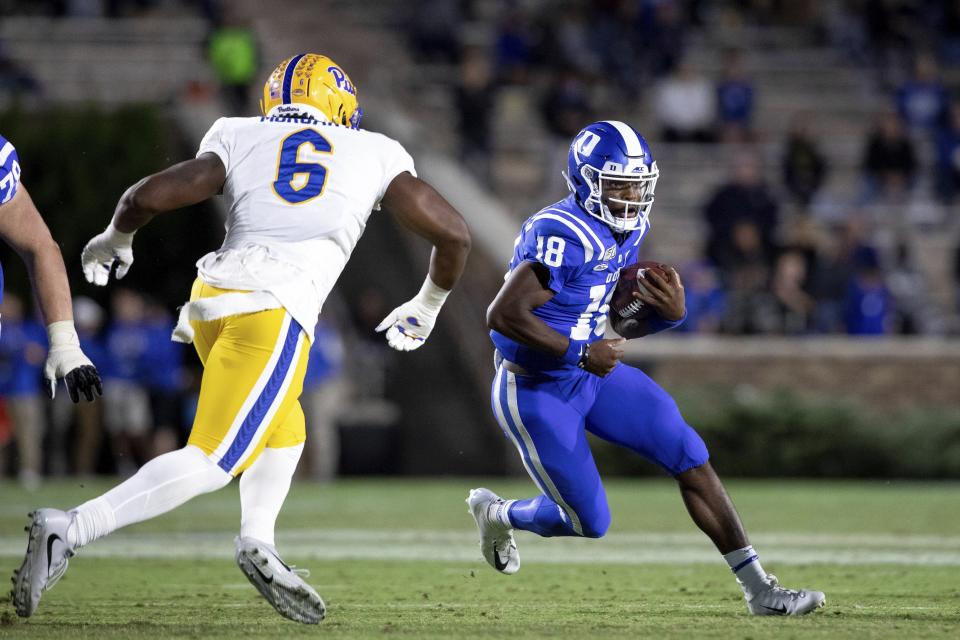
(623, 302)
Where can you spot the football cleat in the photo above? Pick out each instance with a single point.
(48, 555)
(278, 582)
(778, 601)
(496, 540)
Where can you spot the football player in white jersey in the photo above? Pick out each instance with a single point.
(300, 182)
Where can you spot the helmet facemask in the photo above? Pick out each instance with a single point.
(622, 200)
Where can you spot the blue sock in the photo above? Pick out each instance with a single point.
(542, 516)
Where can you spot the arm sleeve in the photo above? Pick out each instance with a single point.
(553, 245)
(9, 171)
(218, 141)
(394, 160)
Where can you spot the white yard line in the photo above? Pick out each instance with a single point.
(461, 546)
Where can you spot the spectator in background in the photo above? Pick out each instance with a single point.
(514, 47)
(661, 30)
(705, 298)
(565, 107)
(684, 105)
(789, 286)
(475, 99)
(912, 311)
(832, 271)
(434, 27)
(127, 407)
(868, 305)
(923, 101)
(889, 161)
(804, 165)
(745, 268)
(745, 197)
(232, 53)
(23, 349)
(948, 156)
(86, 418)
(322, 400)
(735, 100)
(163, 375)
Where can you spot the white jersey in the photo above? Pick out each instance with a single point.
(299, 193)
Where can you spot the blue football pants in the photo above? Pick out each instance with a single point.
(547, 419)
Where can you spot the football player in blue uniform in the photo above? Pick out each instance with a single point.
(558, 378)
(22, 227)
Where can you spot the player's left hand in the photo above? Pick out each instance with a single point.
(408, 326)
(76, 370)
(665, 295)
(101, 252)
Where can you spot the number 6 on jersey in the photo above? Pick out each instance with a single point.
(299, 181)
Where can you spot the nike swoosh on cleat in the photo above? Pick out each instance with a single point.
(50, 540)
(498, 563)
(781, 610)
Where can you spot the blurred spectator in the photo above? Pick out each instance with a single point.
(705, 298)
(922, 101)
(566, 105)
(912, 311)
(790, 289)
(746, 271)
(15, 82)
(948, 156)
(434, 28)
(804, 165)
(868, 305)
(744, 197)
(163, 375)
(23, 349)
(514, 47)
(889, 160)
(233, 56)
(127, 406)
(86, 417)
(950, 33)
(735, 100)
(684, 105)
(661, 29)
(323, 397)
(476, 99)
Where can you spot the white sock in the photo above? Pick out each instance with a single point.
(745, 564)
(162, 484)
(263, 488)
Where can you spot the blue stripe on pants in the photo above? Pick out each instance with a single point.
(263, 403)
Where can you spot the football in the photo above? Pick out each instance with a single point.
(623, 302)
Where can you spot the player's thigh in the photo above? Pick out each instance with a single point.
(252, 379)
(634, 411)
(291, 432)
(542, 421)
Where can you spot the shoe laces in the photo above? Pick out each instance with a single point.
(775, 586)
(303, 573)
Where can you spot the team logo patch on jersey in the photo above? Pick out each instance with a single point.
(610, 253)
(601, 267)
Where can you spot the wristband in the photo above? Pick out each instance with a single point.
(117, 237)
(431, 296)
(656, 323)
(575, 351)
(62, 334)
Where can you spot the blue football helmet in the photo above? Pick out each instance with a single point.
(612, 172)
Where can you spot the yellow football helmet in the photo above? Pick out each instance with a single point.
(315, 81)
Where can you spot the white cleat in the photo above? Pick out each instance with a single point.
(496, 540)
(778, 601)
(278, 582)
(46, 561)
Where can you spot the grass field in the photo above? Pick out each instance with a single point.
(399, 557)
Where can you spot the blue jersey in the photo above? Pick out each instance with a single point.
(9, 180)
(583, 257)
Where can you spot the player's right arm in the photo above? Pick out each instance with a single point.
(550, 258)
(176, 187)
(419, 208)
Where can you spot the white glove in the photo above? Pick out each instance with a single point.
(99, 254)
(66, 360)
(409, 325)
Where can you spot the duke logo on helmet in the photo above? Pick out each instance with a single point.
(314, 84)
(613, 175)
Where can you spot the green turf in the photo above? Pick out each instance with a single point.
(167, 596)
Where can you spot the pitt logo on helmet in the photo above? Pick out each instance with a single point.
(317, 83)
